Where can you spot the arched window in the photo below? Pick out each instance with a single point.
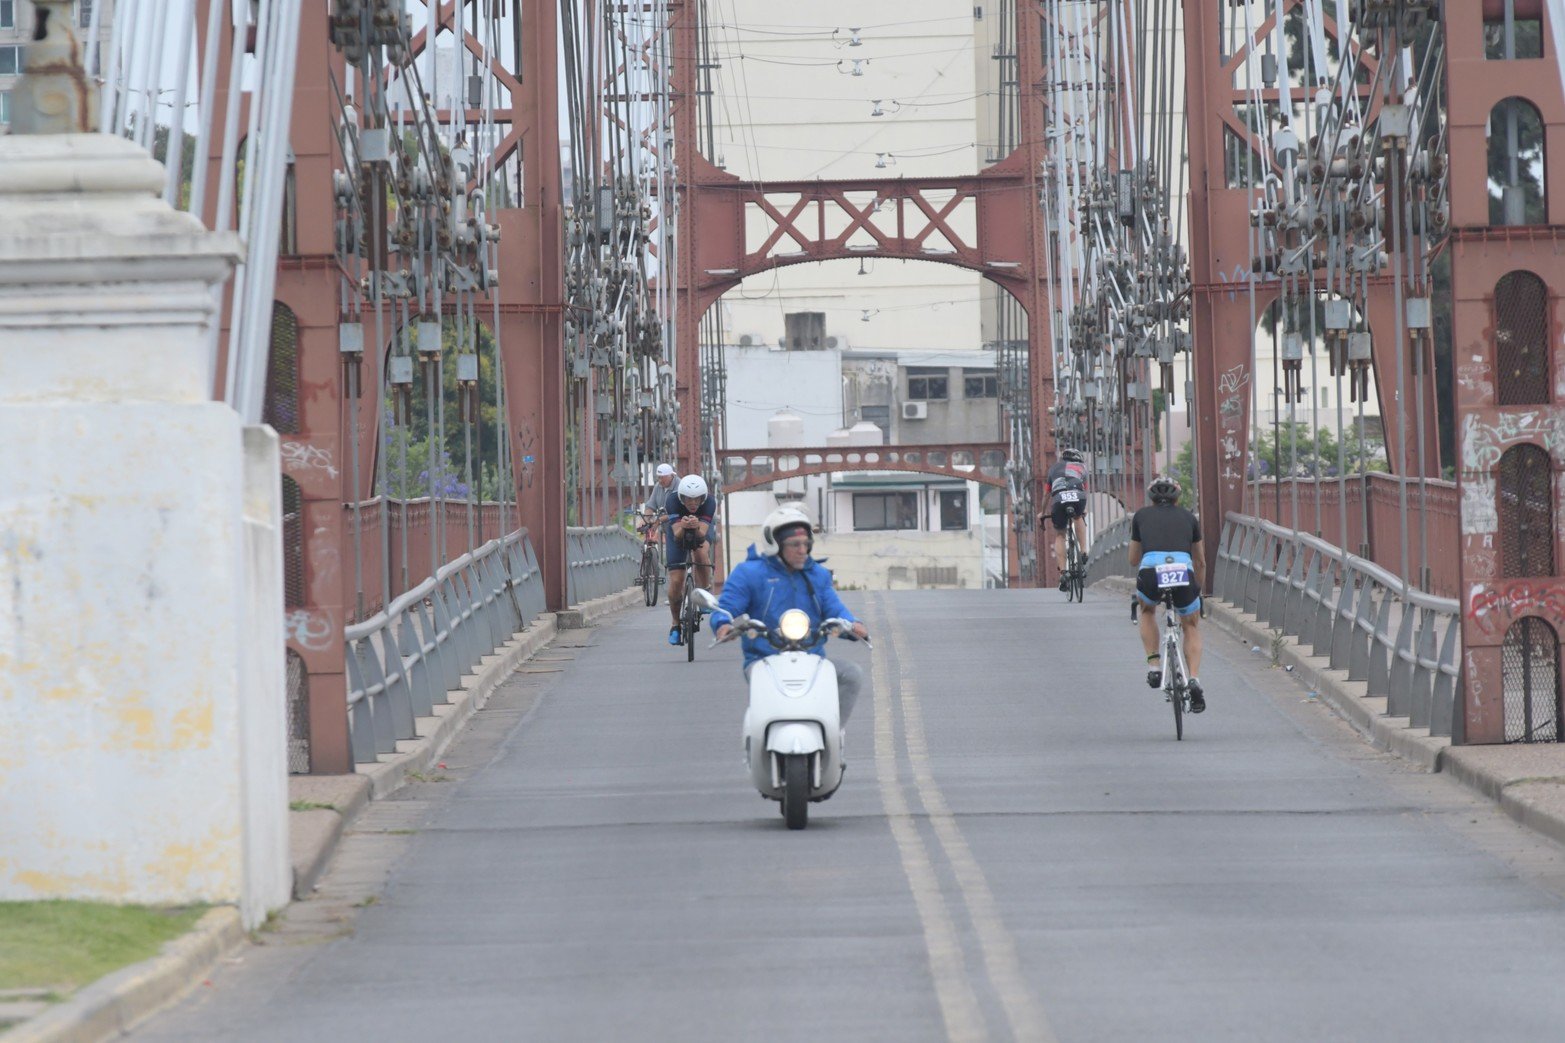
(298, 715)
(288, 234)
(1521, 335)
(282, 372)
(293, 544)
(1526, 512)
(1516, 163)
(1530, 666)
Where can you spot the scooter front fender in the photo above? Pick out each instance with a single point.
(787, 737)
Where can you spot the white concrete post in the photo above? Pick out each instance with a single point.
(136, 700)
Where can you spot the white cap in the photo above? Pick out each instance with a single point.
(664, 469)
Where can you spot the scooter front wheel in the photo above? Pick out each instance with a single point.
(796, 790)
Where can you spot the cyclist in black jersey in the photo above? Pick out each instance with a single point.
(1166, 552)
(1066, 482)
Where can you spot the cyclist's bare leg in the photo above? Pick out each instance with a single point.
(703, 566)
(1081, 533)
(1192, 629)
(1059, 548)
(676, 593)
(1146, 620)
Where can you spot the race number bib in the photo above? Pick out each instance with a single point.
(1070, 496)
(1172, 575)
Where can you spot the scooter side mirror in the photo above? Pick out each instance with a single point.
(706, 598)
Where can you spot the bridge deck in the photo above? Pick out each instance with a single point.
(1020, 848)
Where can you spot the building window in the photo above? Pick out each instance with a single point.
(1526, 511)
(5, 108)
(927, 383)
(980, 385)
(84, 13)
(10, 60)
(1518, 37)
(877, 511)
(1516, 164)
(281, 406)
(953, 511)
(1521, 340)
(7, 14)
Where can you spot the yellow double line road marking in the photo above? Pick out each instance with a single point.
(959, 1006)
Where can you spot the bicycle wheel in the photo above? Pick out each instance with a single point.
(689, 619)
(649, 577)
(1077, 582)
(1176, 698)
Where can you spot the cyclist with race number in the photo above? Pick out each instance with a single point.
(688, 530)
(1067, 485)
(1166, 552)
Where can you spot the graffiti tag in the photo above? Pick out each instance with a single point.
(301, 456)
(1492, 607)
(307, 629)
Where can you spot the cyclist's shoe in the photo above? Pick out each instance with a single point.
(1065, 580)
(1197, 697)
(674, 637)
(1154, 672)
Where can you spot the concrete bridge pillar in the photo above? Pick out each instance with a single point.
(140, 577)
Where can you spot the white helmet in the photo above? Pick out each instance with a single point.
(781, 518)
(665, 470)
(692, 487)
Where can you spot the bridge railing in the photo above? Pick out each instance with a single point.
(409, 531)
(1374, 523)
(405, 660)
(603, 560)
(1404, 643)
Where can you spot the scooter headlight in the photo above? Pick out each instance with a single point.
(794, 624)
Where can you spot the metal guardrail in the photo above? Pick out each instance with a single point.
(1404, 643)
(1110, 553)
(404, 661)
(603, 560)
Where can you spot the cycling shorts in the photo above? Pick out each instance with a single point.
(1187, 598)
(1060, 514)
(676, 549)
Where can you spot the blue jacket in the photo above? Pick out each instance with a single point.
(764, 588)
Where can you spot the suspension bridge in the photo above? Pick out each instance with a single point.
(411, 297)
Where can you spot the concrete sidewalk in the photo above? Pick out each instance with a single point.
(1527, 780)
(322, 808)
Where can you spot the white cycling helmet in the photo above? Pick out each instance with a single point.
(692, 487)
(780, 520)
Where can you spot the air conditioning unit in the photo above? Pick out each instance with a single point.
(915, 411)
(751, 340)
(836, 341)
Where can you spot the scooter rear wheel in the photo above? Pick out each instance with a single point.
(796, 790)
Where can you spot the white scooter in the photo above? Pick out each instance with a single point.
(792, 728)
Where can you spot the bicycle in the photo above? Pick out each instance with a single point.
(1176, 686)
(1075, 567)
(689, 613)
(650, 578)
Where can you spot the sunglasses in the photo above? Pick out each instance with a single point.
(799, 542)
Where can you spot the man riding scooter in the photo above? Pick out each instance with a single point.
(777, 575)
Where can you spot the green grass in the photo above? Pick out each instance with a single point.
(310, 805)
(65, 945)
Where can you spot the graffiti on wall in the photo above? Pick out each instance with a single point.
(1230, 419)
(1474, 376)
(1493, 607)
(1485, 439)
(300, 457)
(308, 628)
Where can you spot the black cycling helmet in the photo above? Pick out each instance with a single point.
(1072, 455)
(1163, 489)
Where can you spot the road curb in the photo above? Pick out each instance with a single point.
(113, 1005)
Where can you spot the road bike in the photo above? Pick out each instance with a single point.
(689, 612)
(650, 577)
(1176, 685)
(1176, 674)
(1075, 566)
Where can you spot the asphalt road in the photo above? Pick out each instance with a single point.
(1020, 851)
